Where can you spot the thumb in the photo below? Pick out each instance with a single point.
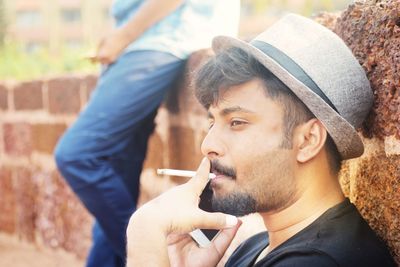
(215, 220)
(200, 180)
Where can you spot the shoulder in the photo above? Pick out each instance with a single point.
(348, 238)
(343, 235)
(305, 257)
(246, 253)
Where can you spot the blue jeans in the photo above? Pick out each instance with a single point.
(102, 153)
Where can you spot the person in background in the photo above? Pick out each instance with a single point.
(283, 112)
(102, 153)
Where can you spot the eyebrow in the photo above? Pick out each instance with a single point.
(227, 111)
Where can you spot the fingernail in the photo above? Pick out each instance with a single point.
(230, 220)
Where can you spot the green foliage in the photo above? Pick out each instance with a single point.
(3, 23)
(261, 5)
(311, 6)
(16, 63)
(304, 7)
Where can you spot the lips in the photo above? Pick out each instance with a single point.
(221, 175)
(221, 172)
(216, 173)
(219, 178)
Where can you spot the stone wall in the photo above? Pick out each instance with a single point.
(36, 205)
(372, 30)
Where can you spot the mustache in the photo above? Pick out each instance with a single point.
(216, 166)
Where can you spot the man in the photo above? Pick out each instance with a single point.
(283, 111)
(101, 155)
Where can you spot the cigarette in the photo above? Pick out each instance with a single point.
(181, 173)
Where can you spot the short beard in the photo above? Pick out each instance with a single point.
(237, 204)
(275, 192)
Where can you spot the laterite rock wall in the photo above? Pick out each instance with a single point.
(372, 31)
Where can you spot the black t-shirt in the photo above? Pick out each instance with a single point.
(339, 237)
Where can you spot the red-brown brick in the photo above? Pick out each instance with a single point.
(64, 95)
(75, 234)
(26, 195)
(45, 136)
(7, 201)
(17, 139)
(3, 97)
(28, 96)
(182, 153)
(155, 153)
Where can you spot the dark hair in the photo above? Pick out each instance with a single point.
(235, 66)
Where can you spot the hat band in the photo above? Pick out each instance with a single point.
(292, 67)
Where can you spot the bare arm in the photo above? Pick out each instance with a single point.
(149, 13)
(147, 245)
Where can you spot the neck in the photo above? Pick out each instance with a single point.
(314, 198)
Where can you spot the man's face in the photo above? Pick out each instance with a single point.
(254, 174)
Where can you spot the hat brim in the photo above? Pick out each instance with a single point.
(344, 135)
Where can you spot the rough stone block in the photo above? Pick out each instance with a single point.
(64, 95)
(7, 201)
(28, 95)
(45, 136)
(392, 146)
(26, 193)
(374, 188)
(61, 220)
(17, 139)
(3, 97)
(372, 31)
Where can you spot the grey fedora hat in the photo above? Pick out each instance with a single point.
(320, 69)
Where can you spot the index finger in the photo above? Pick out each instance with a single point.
(200, 180)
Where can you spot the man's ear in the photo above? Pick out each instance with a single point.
(309, 138)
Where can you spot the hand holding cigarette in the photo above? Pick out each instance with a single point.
(168, 220)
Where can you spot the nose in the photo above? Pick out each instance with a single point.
(213, 145)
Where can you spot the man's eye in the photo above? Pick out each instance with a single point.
(210, 125)
(237, 123)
